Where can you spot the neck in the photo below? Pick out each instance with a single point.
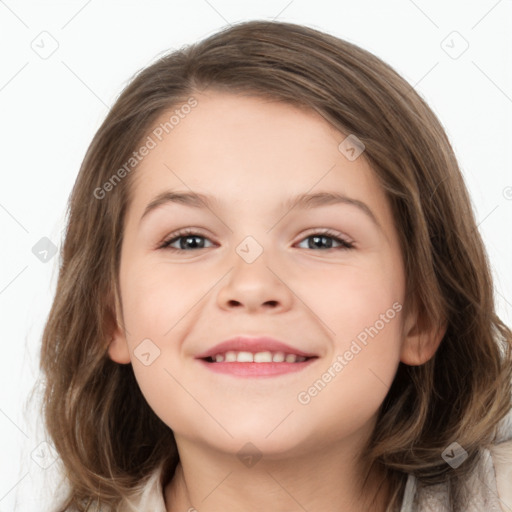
(207, 481)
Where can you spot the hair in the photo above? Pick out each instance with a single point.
(108, 438)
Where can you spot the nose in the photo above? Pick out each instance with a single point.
(254, 287)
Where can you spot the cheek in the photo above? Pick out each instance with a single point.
(349, 299)
(356, 380)
(158, 296)
(361, 310)
(160, 305)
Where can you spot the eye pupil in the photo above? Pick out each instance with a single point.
(317, 241)
(189, 240)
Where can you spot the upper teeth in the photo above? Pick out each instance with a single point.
(258, 357)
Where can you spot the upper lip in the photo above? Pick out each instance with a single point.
(252, 344)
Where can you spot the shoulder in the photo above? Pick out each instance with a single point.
(502, 461)
(147, 496)
(488, 487)
(501, 454)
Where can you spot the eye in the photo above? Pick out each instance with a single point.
(184, 237)
(325, 238)
(188, 239)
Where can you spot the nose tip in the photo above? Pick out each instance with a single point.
(253, 286)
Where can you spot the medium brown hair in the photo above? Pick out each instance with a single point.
(108, 438)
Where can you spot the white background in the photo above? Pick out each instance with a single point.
(50, 109)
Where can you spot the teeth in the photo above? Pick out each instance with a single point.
(230, 357)
(259, 357)
(278, 357)
(244, 357)
(263, 357)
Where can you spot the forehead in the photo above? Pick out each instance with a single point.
(248, 150)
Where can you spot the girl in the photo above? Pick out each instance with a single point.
(327, 341)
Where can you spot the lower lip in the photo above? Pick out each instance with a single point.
(256, 369)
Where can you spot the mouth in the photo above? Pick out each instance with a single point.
(259, 357)
(256, 357)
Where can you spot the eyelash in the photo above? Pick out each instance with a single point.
(345, 245)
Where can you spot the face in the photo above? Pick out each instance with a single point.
(324, 277)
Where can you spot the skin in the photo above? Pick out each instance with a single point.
(252, 154)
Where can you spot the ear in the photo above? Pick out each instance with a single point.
(421, 338)
(118, 349)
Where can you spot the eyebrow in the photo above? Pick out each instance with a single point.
(301, 201)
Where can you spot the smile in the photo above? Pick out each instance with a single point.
(244, 356)
(259, 364)
(259, 357)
